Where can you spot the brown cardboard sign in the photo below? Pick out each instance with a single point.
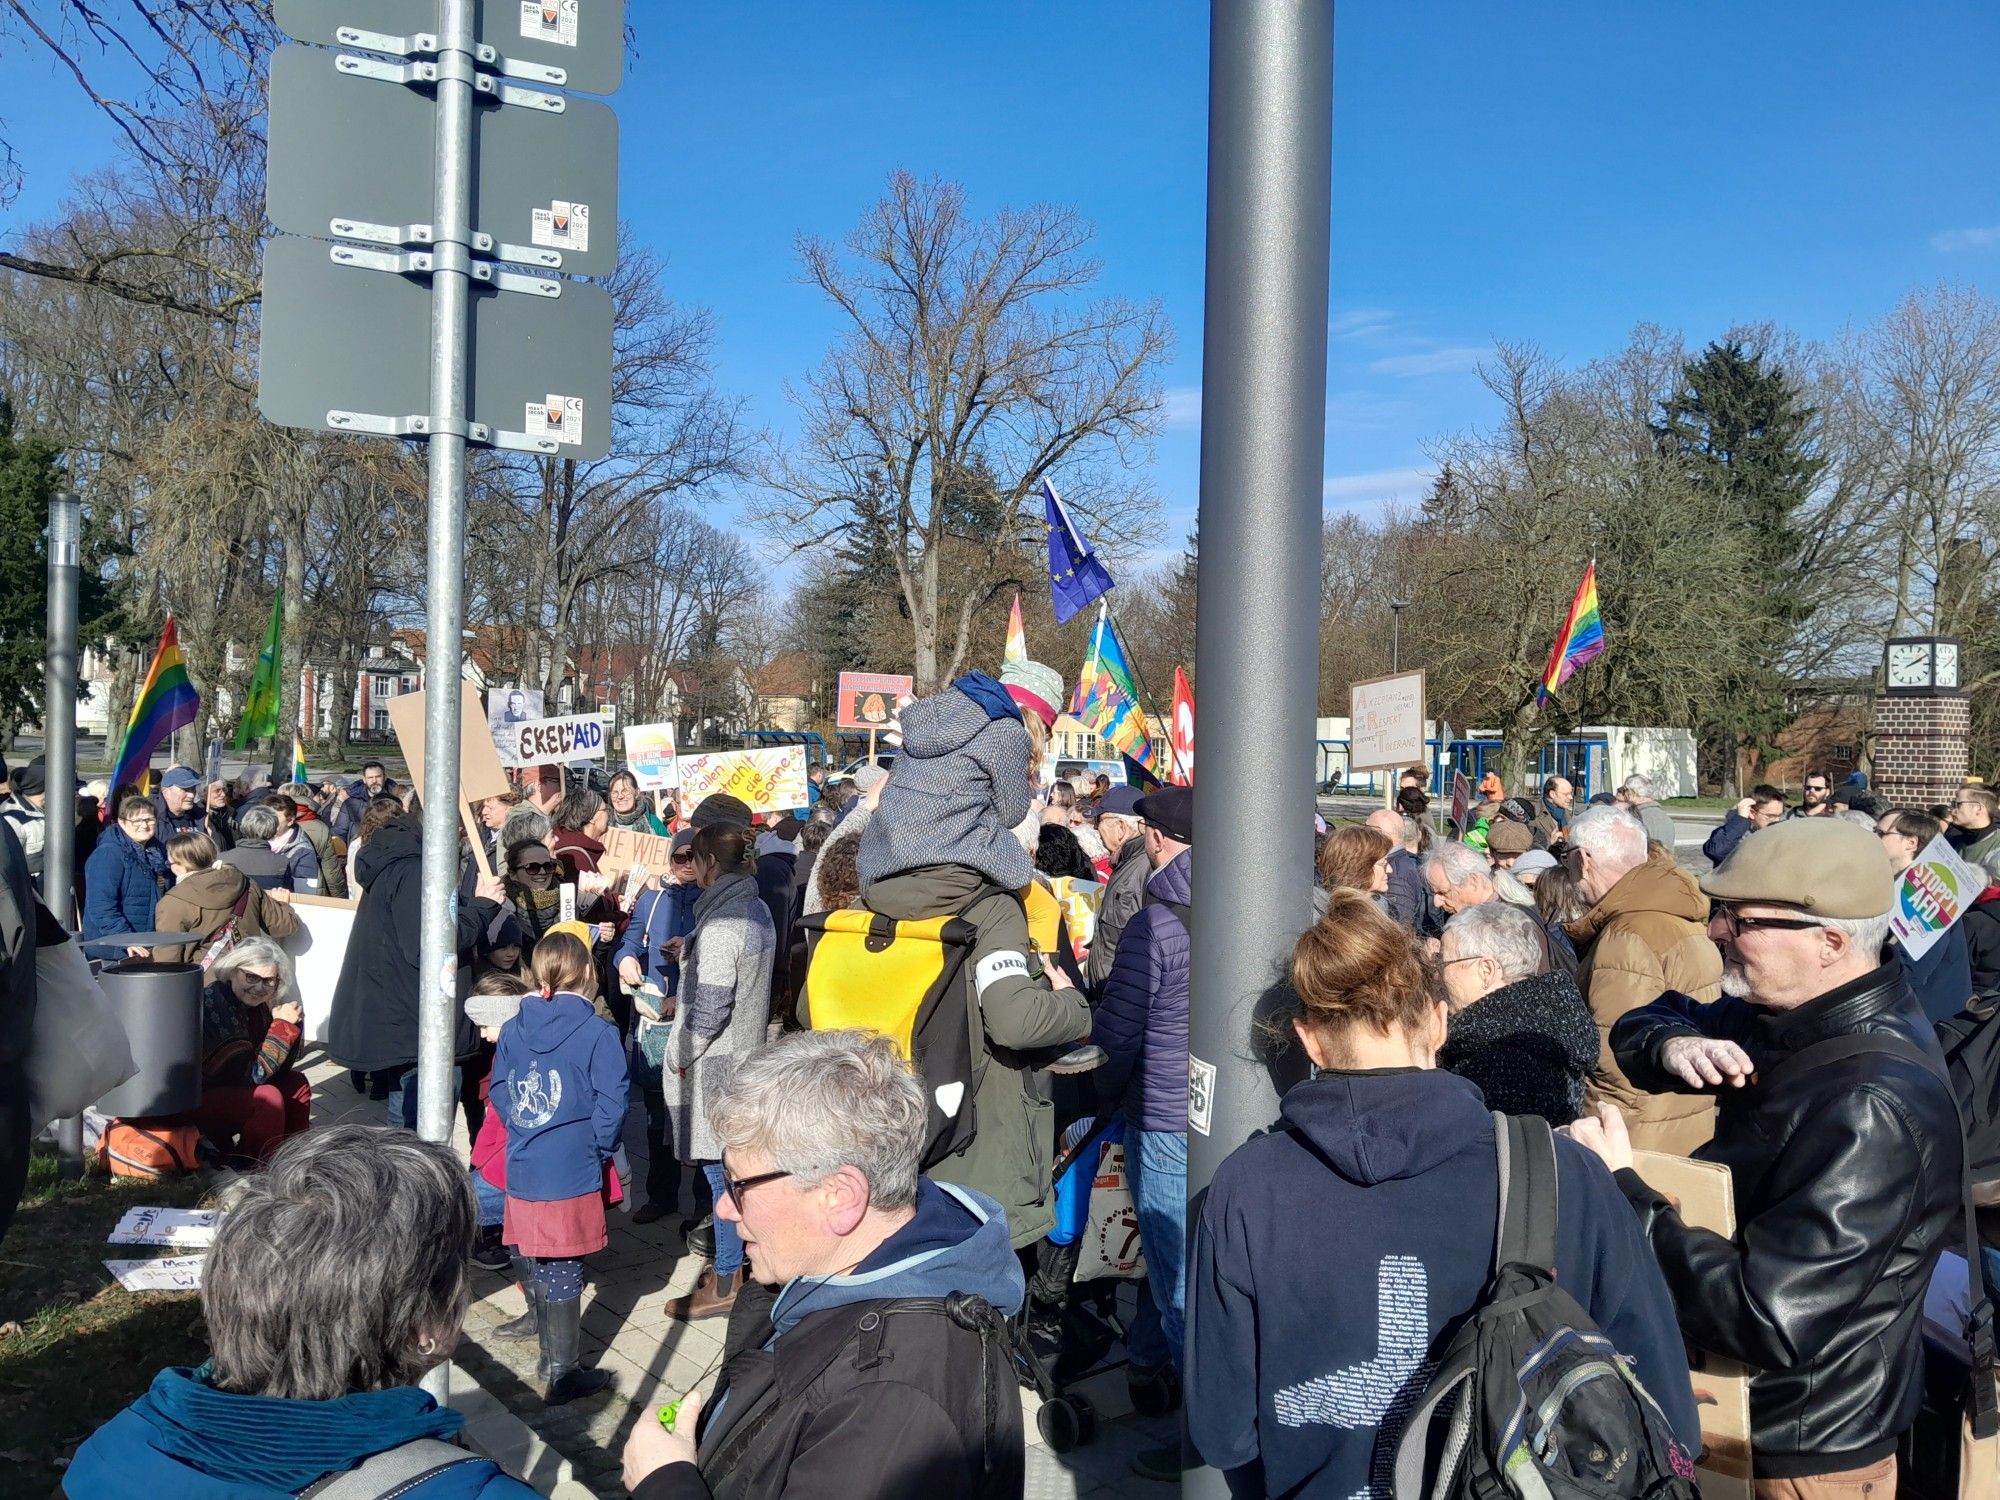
(479, 773)
(1703, 1193)
(626, 847)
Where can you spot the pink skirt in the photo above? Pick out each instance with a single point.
(567, 1229)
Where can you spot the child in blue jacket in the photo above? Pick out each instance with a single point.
(559, 1080)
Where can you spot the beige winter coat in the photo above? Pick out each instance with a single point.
(1647, 936)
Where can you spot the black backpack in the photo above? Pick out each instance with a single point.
(1530, 1400)
(1971, 1043)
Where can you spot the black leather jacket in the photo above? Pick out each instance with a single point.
(1847, 1179)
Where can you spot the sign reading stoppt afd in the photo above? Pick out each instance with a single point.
(547, 742)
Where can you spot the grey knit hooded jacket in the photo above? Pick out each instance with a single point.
(959, 787)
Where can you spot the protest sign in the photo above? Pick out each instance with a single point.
(318, 949)
(169, 1273)
(1933, 894)
(554, 742)
(1386, 718)
(871, 700)
(506, 710)
(649, 756)
(627, 848)
(767, 780)
(1702, 1192)
(179, 1228)
(479, 773)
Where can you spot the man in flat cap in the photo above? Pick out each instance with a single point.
(1839, 1128)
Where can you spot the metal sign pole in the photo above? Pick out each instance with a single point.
(59, 675)
(451, 287)
(1270, 164)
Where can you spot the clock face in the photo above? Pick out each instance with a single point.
(1908, 664)
(1947, 664)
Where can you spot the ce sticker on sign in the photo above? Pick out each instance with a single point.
(558, 417)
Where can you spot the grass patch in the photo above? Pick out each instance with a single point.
(74, 1346)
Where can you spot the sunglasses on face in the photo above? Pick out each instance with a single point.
(260, 981)
(684, 857)
(536, 867)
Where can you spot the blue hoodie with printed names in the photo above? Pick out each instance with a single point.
(1333, 1252)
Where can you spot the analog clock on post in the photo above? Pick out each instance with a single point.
(1922, 722)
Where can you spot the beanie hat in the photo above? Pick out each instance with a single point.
(1037, 688)
(959, 787)
(719, 809)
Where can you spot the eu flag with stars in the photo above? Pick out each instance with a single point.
(1076, 578)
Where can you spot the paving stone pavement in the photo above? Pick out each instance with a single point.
(573, 1451)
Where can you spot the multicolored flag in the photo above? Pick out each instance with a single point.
(165, 703)
(1076, 577)
(1180, 731)
(1017, 638)
(299, 762)
(1108, 696)
(260, 704)
(1581, 641)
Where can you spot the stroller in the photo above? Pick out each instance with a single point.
(1067, 1330)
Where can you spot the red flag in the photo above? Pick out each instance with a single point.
(1181, 731)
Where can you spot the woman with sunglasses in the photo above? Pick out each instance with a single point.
(561, 1085)
(648, 963)
(252, 1025)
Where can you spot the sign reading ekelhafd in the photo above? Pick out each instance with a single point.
(550, 742)
(1387, 723)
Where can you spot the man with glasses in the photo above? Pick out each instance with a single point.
(1818, 801)
(1973, 833)
(867, 1353)
(1839, 1128)
(1940, 977)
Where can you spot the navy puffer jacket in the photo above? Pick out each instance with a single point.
(1142, 1019)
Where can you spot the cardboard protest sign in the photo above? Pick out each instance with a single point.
(554, 742)
(627, 848)
(649, 756)
(179, 1228)
(871, 700)
(479, 773)
(767, 780)
(1387, 722)
(506, 709)
(1933, 894)
(169, 1273)
(1702, 1192)
(318, 949)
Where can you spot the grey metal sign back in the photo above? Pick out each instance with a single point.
(351, 156)
(584, 40)
(345, 348)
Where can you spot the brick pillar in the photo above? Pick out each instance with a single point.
(1921, 754)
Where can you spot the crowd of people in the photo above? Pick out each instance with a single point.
(873, 1228)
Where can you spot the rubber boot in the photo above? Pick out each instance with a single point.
(562, 1334)
(523, 1327)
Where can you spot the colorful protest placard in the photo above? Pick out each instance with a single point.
(871, 700)
(649, 756)
(767, 780)
(1933, 894)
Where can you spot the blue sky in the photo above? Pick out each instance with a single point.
(1544, 172)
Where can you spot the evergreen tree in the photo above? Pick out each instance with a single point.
(31, 475)
(1740, 428)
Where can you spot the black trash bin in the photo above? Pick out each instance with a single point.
(160, 1007)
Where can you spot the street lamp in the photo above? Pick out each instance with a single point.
(1396, 608)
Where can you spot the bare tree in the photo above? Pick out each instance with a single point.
(971, 369)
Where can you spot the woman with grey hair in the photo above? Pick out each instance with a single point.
(339, 1278)
(252, 1025)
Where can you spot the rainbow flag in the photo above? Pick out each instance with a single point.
(299, 762)
(1017, 638)
(1108, 696)
(167, 702)
(1581, 641)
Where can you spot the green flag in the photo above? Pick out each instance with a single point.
(260, 707)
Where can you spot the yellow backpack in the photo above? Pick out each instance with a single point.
(909, 981)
